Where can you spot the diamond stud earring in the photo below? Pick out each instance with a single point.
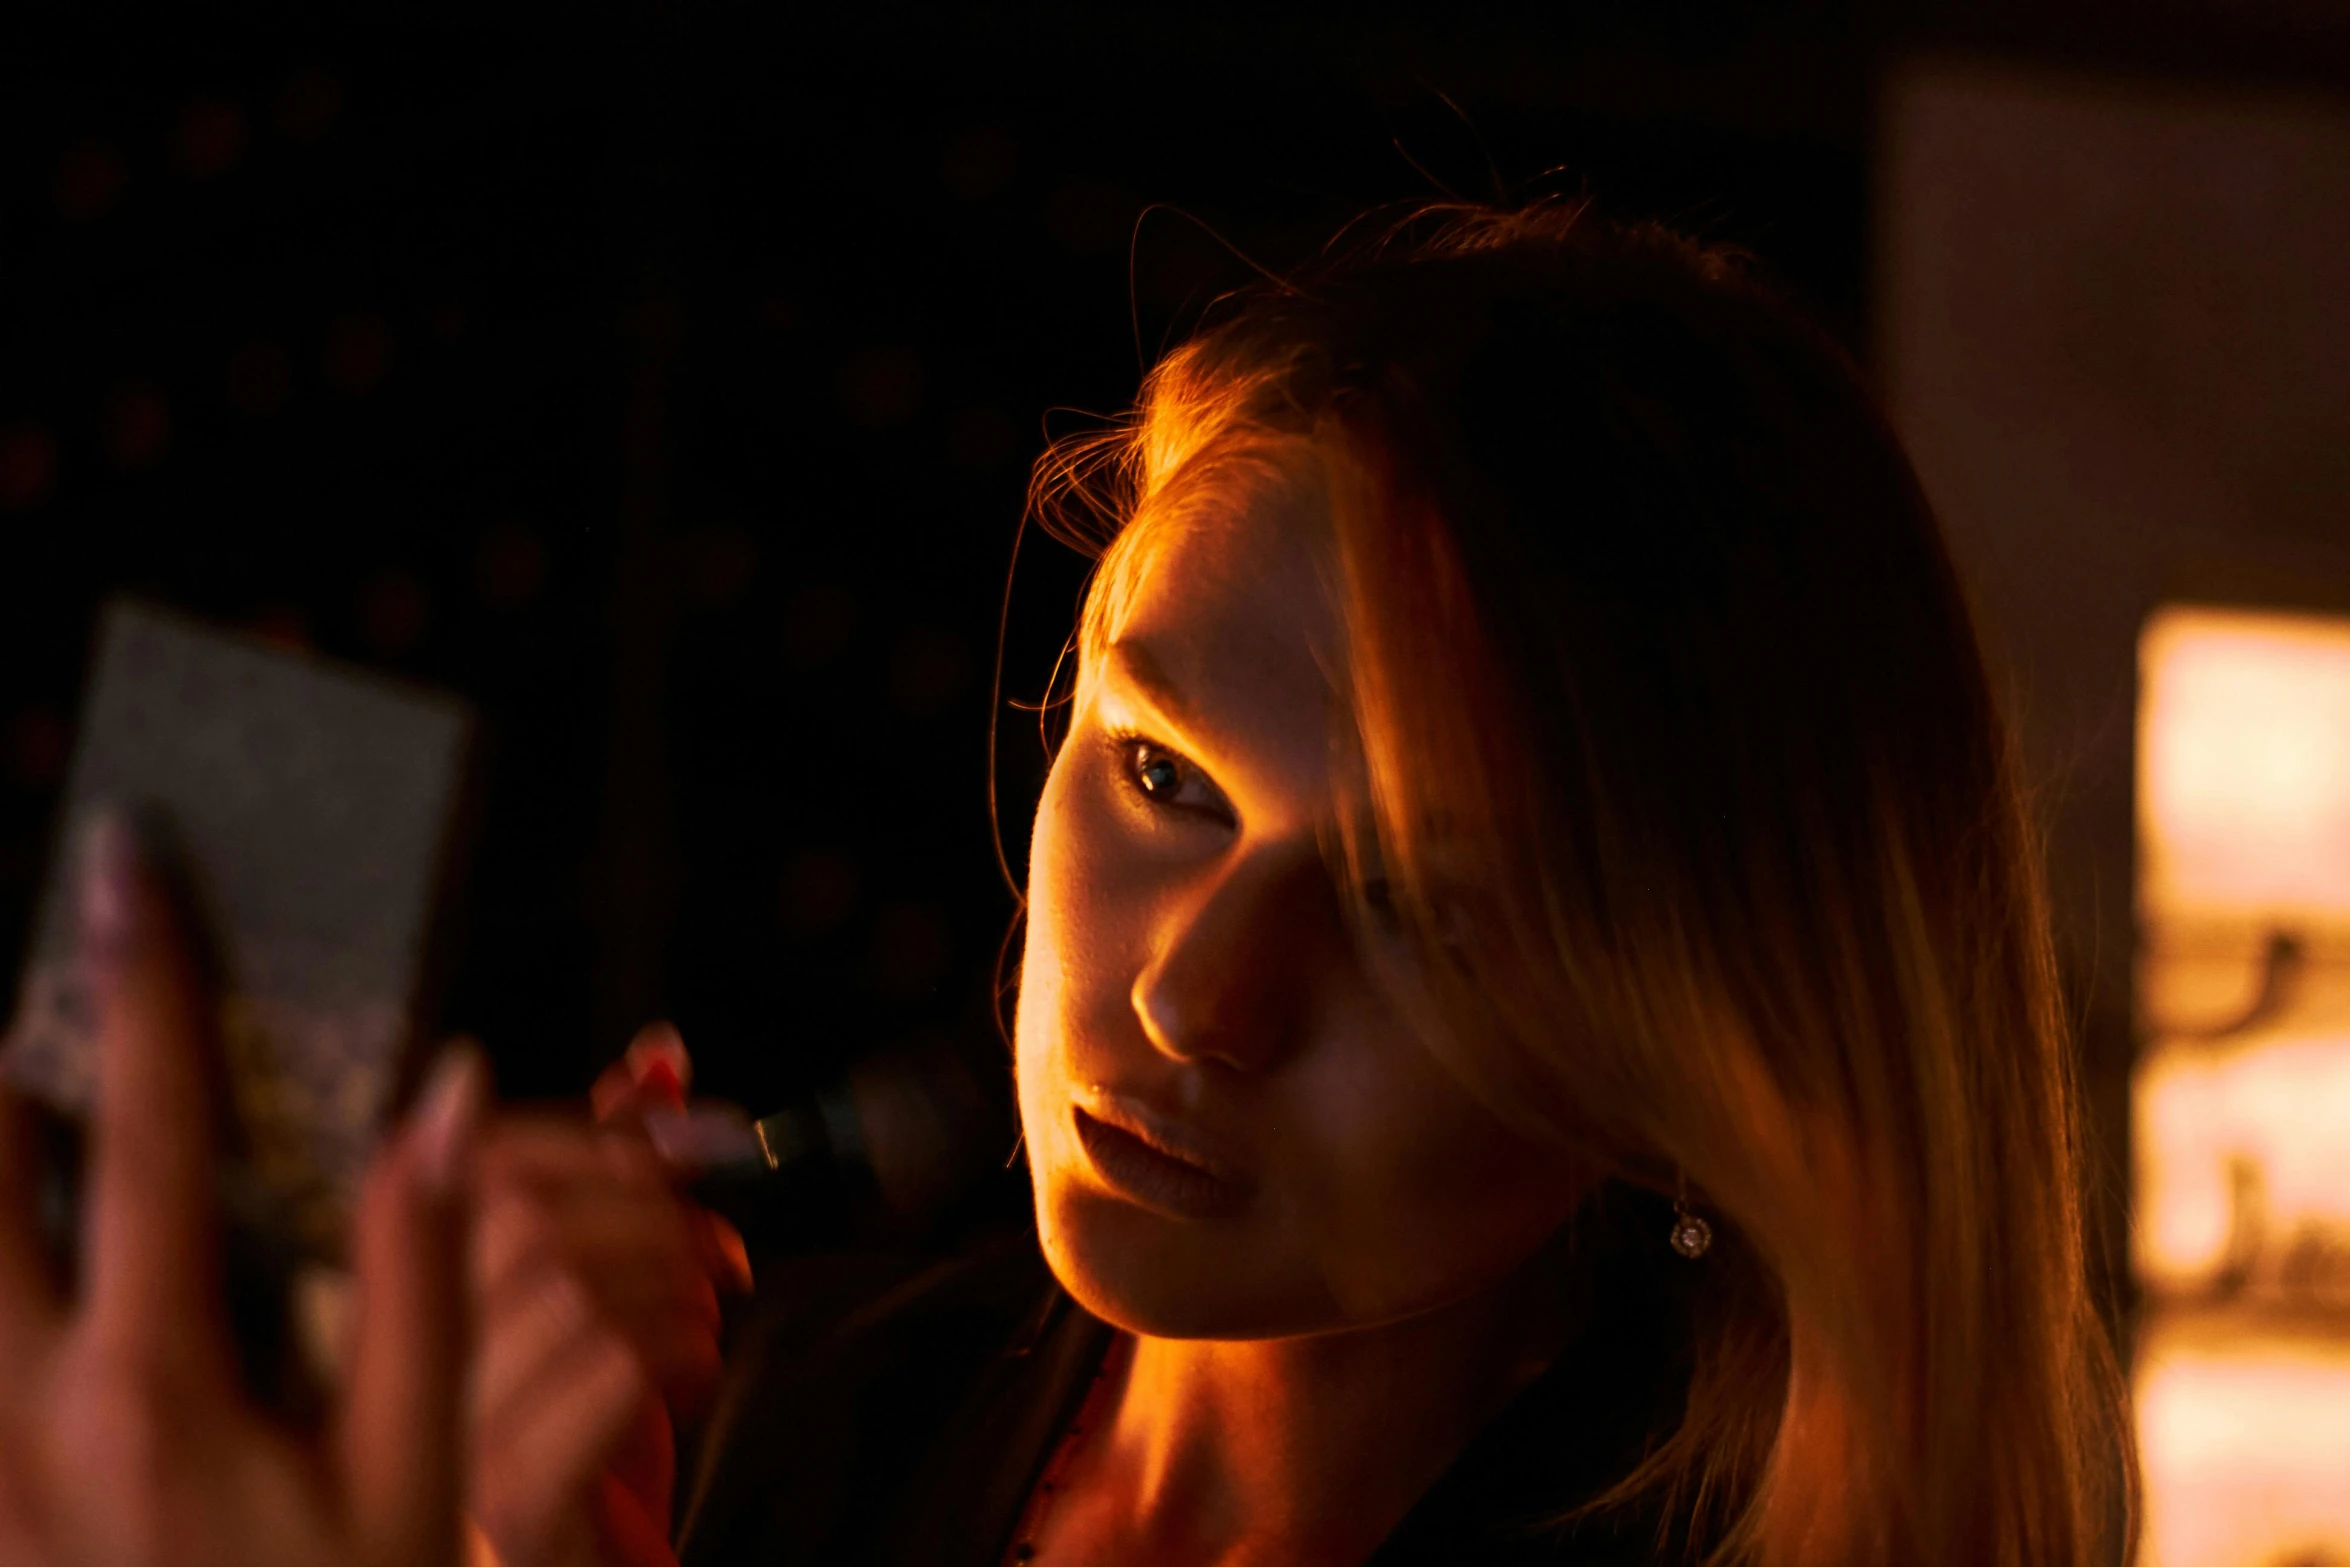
(1691, 1236)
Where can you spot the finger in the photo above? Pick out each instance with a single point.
(686, 1371)
(610, 1093)
(537, 1461)
(657, 1059)
(665, 1145)
(654, 1070)
(641, 1303)
(622, 1103)
(683, 1374)
(596, 1232)
(642, 1469)
(675, 1336)
(650, 1236)
(654, 1229)
(552, 1149)
(29, 1304)
(153, 1226)
(521, 1335)
(630, 1533)
(723, 1251)
(401, 1426)
(672, 1324)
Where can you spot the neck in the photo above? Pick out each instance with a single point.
(1304, 1449)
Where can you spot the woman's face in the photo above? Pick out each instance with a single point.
(1232, 1133)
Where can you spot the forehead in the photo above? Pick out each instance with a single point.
(1228, 625)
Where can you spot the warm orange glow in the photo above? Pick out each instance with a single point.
(2241, 1102)
(2244, 765)
(2244, 1170)
(2245, 1439)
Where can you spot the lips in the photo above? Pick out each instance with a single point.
(1156, 1177)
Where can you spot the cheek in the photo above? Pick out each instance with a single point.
(1396, 1192)
(1415, 1195)
(1046, 954)
(1070, 965)
(1090, 892)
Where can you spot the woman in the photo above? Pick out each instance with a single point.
(1536, 1038)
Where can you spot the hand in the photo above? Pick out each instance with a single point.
(596, 1310)
(125, 1436)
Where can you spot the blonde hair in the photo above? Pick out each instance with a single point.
(1647, 621)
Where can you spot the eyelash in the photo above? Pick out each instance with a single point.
(1135, 752)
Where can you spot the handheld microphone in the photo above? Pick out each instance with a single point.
(913, 1126)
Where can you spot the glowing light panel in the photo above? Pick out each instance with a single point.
(2244, 765)
(2246, 1447)
(2241, 1099)
(2244, 1170)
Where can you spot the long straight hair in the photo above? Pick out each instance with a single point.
(1686, 776)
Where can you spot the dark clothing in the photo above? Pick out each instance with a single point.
(907, 1424)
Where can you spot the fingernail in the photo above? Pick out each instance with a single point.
(657, 1059)
(659, 1079)
(445, 1116)
(108, 915)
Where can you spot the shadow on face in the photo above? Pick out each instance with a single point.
(1232, 1132)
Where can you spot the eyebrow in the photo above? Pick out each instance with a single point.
(1141, 669)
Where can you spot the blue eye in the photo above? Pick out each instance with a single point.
(1157, 774)
(1167, 780)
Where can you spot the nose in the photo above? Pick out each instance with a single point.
(1236, 963)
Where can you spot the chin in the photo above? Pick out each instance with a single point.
(1166, 1278)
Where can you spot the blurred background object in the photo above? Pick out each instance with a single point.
(2242, 1084)
(2114, 320)
(665, 386)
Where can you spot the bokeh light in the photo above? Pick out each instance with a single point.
(2244, 765)
(2242, 1090)
(2244, 1440)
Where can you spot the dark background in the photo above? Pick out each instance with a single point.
(667, 387)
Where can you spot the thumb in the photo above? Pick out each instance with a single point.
(654, 1073)
(401, 1425)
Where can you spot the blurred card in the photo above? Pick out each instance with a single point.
(312, 808)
